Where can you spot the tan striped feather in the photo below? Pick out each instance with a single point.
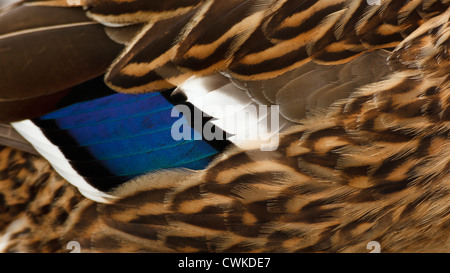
(251, 39)
(375, 167)
(124, 12)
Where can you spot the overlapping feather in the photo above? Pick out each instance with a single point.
(252, 40)
(34, 79)
(375, 167)
(366, 169)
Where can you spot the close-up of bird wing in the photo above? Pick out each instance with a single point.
(224, 126)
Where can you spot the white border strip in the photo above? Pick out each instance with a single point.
(59, 162)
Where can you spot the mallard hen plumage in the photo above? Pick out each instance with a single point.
(364, 143)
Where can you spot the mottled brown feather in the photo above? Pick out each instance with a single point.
(373, 167)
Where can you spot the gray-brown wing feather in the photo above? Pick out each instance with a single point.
(11, 138)
(44, 51)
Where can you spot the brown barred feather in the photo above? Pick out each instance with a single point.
(373, 167)
(147, 63)
(138, 11)
(252, 40)
(312, 87)
(35, 203)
